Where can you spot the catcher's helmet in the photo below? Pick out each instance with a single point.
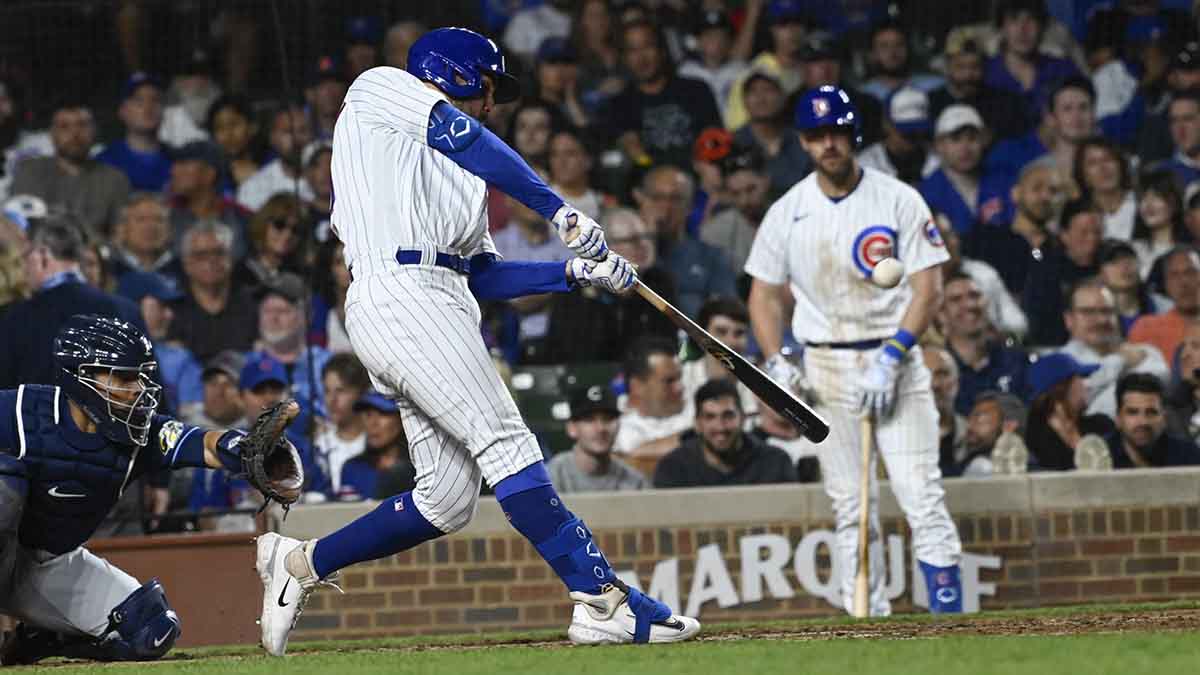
(89, 345)
(455, 59)
(828, 106)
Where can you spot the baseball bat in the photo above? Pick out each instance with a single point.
(779, 398)
(862, 579)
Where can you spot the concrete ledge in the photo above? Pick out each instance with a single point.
(1129, 487)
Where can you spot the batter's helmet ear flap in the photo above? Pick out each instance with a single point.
(829, 106)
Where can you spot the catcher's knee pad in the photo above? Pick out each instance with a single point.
(447, 512)
(146, 625)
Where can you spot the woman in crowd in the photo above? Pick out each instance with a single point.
(594, 37)
(277, 235)
(1102, 175)
(231, 124)
(1159, 226)
(329, 304)
(1119, 271)
(1059, 435)
(533, 123)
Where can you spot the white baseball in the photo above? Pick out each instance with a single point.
(887, 273)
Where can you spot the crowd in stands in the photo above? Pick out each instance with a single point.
(1057, 144)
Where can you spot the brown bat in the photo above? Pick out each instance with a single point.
(779, 398)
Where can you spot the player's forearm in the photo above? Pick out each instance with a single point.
(926, 298)
(495, 279)
(766, 316)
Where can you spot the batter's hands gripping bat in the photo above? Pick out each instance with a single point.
(862, 579)
(780, 399)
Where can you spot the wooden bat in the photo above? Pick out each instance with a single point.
(862, 579)
(779, 398)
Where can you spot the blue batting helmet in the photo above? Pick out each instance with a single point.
(88, 346)
(456, 59)
(828, 106)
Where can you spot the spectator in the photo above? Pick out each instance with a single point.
(1019, 67)
(1157, 141)
(822, 58)
(1059, 435)
(341, 434)
(281, 332)
(398, 39)
(721, 453)
(746, 185)
(179, 371)
(904, 151)
(533, 124)
(984, 363)
(1191, 217)
(1184, 396)
(324, 93)
(71, 180)
(532, 26)
(959, 188)
(1061, 266)
(140, 155)
(217, 314)
(10, 133)
(699, 270)
(712, 147)
(290, 132)
(329, 303)
(1183, 121)
(771, 428)
(656, 414)
(196, 193)
(952, 427)
(1120, 106)
(594, 35)
(890, 63)
(1012, 249)
(788, 24)
(1102, 174)
(1119, 272)
(1158, 226)
(1181, 279)
(570, 164)
(1003, 111)
(192, 92)
(223, 407)
(53, 274)
(1091, 320)
(1141, 439)
(657, 117)
(715, 64)
(232, 126)
(384, 468)
(142, 238)
(317, 160)
(727, 319)
(589, 465)
(1003, 312)
(768, 129)
(361, 52)
(276, 234)
(993, 444)
(557, 77)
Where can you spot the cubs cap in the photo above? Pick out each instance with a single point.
(137, 81)
(1051, 369)
(200, 151)
(557, 50)
(137, 285)
(261, 369)
(587, 400)
(373, 400)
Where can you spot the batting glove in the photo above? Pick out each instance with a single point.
(579, 271)
(876, 393)
(789, 374)
(614, 274)
(580, 233)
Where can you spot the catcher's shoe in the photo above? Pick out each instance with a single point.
(619, 614)
(285, 567)
(24, 645)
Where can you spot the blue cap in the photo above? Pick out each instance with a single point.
(364, 30)
(373, 400)
(325, 68)
(1144, 29)
(260, 369)
(136, 81)
(557, 50)
(1051, 369)
(200, 151)
(137, 285)
(786, 10)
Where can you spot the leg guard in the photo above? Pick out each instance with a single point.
(145, 628)
(576, 558)
(945, 588)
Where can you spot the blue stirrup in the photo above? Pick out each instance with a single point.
(646, 611)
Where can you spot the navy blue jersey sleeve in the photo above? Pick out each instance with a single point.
(174, 444)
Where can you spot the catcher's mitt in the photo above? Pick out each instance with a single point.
(269, 461)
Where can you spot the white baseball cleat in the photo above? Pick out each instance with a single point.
(285, 567)
(612, 617)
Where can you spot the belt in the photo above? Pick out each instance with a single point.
(449, 261)
(860, 346)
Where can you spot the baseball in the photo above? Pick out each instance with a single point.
(887, 273)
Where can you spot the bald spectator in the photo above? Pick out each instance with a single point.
(142, 238)
(1019, 67)
(994, 444)
(1012, 247)
(1003, 112)
(952, 427)
(698, 269)
(1061, 266)
(1181, 278)
(289, 132)
(1141, 439)
(71, 179)
(139, 154)
(1002, 309)
(983, 362)
(656, 413)
(747, 188)
(1091, 320)
(769, 129)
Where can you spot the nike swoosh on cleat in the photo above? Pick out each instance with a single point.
(285, 587)
(53, 492)
(159, 641)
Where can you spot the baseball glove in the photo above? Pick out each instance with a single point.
(269, 461)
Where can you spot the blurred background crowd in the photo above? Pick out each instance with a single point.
(169, 162)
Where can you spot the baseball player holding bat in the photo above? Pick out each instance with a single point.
(411, 164)
(821, 240)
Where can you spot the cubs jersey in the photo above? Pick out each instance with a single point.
(825, 249)
(391, 190)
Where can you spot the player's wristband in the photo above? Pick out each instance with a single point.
(228, 453)
(899, 344)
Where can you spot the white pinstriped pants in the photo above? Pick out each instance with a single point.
(908, 443)
(416, 329)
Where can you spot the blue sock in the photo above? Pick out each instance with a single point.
(395, 525)
(944, 586)
(537, 512)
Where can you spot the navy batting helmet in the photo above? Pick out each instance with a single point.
(828, 106)
(456, 59)
(87, 348)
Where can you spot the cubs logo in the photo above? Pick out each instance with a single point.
(872, 245)
(820, 107)
(168, 436)
(933, 234)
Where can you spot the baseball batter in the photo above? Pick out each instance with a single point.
(411, 164)
(818, 244)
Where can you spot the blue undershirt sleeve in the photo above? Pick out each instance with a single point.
(495, 279)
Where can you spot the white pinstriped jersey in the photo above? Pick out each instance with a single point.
(391, 190)
(825, 250)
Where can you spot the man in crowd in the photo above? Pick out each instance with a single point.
(290, 131)
(1003, 111)
(1141, 439)
(281, 332)
(71, 179)
(1020, 68)
(1155, 142)
(589, 465)
(1010, 248)
(959, 188)
(904, 152)
(656, 413)
(385, 467)
(142, 238)
(822, 58)
(890, 64)
(179, 371)
(983, 362)
(788, 24)
(529, 27)
(1091, 320)
(324, 94)
(1183, 121)
(994, 442)
(341, 434)
(1003, 311)
(222, 403)
(1181, 279)
(747, 187)
(768, 129)
(716, 64)
(216, 315)
(140, 155)
(727, 319)
(1061, 266)
(196, 194)
(570, 163)
(722, 453)
(952, 427)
